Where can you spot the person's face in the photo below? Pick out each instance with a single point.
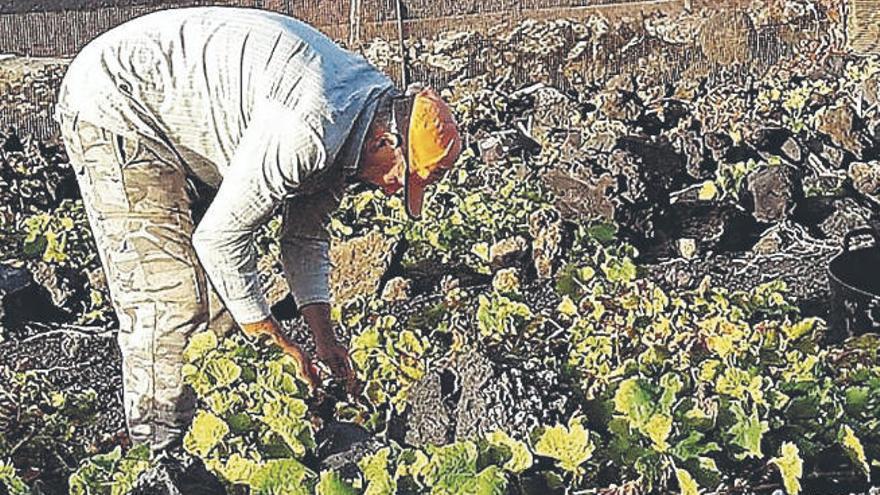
(383, 163)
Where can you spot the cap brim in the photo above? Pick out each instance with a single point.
(415, 195)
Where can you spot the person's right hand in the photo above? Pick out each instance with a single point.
(271, 329)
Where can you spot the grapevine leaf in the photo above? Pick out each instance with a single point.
(332, 484)
(199, 345)
(854, 449)
(686, 483)
(286, 416)
(205, 433)
(238, 469)
(280, 477)
(634, 402)
(375, 469)
(658, 429)
(791, 467)
(223, 371)
(748, 431)
(10, 480)
(520, 456)
(490, 481)
(456, 459)
(570, 446)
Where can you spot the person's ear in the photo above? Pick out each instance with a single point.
(392, 139)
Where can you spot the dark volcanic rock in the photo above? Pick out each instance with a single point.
(800, 260)
(847, 215)
(13, 281)
(773, 193)
(342, 445)
(173, 476)
(831, 217)
(865, 178)
(713, 227)
(662, 168)
(22, 299)
(838, 123)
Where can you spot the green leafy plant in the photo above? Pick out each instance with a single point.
(113, 473)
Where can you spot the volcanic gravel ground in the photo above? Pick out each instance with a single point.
(74, 362)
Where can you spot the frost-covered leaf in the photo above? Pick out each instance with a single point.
(791, 467)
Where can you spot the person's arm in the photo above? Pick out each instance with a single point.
(305, 244)
(265, 167)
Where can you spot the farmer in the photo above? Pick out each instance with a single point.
(266, 112)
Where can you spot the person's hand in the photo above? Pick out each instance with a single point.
(335, 356)
(328, 348)
(270, 329)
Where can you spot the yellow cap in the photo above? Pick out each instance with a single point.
(433, 145)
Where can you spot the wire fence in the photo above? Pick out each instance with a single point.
(60, 28)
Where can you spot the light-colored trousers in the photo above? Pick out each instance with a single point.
(139, 208)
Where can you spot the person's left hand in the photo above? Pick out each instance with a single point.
(335, 356)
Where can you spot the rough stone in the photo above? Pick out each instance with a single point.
(837, 123)
(396, 289)
(865, 178)
(847, 215)
(340, 446)
(178, 477)
(359, 265)
(515, 399)
(792, 150)
(704, 226)
(662, 170)
(770, 139)
(773, 193)
(800, 260)
(547, 233)
(429, 420)
(507, 252)
(691, 145)
(727, 37)
(718, 144)
(13, 281)
(580, 197)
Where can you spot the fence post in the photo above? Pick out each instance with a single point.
(404, 69)
(354, 25)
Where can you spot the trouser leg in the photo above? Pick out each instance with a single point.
(137, 203)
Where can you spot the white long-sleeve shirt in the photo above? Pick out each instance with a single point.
(277, 108)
